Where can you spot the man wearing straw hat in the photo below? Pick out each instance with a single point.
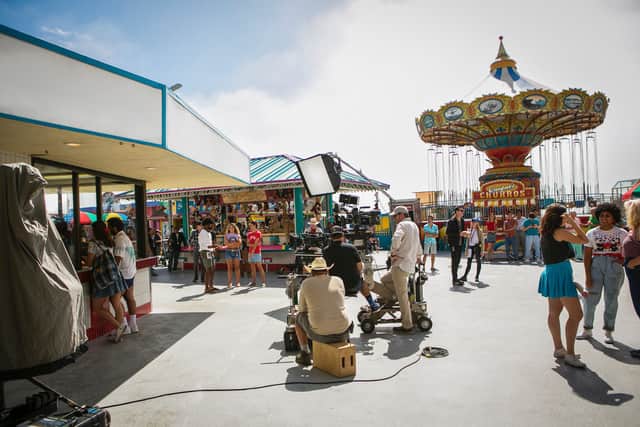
(322, 316)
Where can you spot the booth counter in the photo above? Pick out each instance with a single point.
(97, 327)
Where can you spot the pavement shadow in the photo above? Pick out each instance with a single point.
(588, 385)
(619, 351)
(461, 289)
(279, 314)
(194, 297)
(106, 366)
(481, 284)
(400, 345)
(244, 291)
(299, 374)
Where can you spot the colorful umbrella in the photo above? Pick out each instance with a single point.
(109, 215)
(633, 192)
(86, 218)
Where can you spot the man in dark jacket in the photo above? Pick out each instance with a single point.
(455, 227)
(176, 241)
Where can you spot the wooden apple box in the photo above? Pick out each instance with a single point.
(337, 359)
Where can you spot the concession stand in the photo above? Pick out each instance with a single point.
(275, 199)
(94, 130)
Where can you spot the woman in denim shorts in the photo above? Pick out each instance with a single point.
(233, 245)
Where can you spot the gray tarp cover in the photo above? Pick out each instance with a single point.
(41, 308)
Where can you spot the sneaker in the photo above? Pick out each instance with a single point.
(264, 285)
(560, 353)
(238, 285)
(303, 358)
(433, 269)
(134, 329)
(119, 333)
(574, 360)
(608, 337)
(251, 284)
(586, 335)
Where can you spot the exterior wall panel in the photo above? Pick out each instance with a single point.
(43, 85)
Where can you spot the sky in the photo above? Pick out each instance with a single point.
(305, 77)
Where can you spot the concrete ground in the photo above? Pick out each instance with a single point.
(500, 370)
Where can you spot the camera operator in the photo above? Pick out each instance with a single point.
(322, 315)
(347, 265)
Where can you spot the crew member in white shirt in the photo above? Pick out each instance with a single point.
(406, 251)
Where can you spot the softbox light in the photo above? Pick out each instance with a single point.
(320, 174)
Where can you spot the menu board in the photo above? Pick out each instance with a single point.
(244, 196)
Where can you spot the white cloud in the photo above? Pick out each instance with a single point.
(363, 73)
(99, 39)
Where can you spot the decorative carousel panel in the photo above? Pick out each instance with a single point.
(453, 111)
(573, 99)
(490, 105)
(534, 100)
(599, 103)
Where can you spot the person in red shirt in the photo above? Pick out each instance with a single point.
(254, 241)
(491, 236)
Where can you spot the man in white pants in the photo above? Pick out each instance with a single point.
(406, 251)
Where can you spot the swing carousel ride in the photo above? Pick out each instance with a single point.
(512, 116)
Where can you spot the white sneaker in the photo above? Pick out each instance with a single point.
(264, 285)
(119, 333)
(127, 331)
(586, 335)
(560, 353)
(608, 337)
(133, 329)
(574, 360)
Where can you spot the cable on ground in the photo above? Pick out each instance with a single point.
(432, 351)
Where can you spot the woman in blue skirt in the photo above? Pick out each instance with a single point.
(556, 281)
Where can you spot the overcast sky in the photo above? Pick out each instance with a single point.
(303, 77)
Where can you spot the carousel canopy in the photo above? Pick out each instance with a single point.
(508, 109)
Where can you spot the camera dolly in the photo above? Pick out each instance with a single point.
(390, 310)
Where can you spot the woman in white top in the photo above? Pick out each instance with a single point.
(475, 248)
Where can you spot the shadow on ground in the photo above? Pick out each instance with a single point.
(106, 365)
(620, 352)
(589, 386)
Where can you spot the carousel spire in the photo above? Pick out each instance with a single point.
(503, 60)
(502, 52)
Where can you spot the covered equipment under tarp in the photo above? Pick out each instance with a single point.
(41, 308)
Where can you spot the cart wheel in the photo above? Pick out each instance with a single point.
(367, 326)
(425, 324)
(361, 315)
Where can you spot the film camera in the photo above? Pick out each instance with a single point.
(357, 226)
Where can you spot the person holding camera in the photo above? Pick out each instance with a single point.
(321, 312)
(347, 265)
(406, 251)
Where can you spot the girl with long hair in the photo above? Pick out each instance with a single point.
(631, 254)
(475, 243)
(233, 245)
(98, 247)
(556, 281)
